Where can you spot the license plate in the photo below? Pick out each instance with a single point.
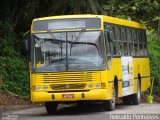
(67, 95)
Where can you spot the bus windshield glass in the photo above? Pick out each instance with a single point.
(67, 51)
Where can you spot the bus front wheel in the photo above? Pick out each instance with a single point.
(110, 104)
(51, 107)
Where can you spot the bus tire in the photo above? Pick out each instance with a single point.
(133, 99)
(51, 107)
(126, 100)
(137, 97)
(109, 105)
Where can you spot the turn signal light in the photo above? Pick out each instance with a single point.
(103, 85)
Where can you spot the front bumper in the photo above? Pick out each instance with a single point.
(95, 94)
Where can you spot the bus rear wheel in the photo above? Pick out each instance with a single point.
(51, 107)
(135, 98)
(110, 104)
(127, 100)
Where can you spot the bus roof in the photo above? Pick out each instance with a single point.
(108, 19)
(123, 22)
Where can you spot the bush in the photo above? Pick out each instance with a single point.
(154, 54)
(14, 75)
(13, 65)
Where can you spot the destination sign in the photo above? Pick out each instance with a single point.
(62, 24)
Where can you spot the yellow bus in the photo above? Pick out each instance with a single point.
(87, 58)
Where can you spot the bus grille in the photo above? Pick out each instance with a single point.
(68, 86)
(70, 77)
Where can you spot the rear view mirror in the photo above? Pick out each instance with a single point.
(27, 40)
(26, 43)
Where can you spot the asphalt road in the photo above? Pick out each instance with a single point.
(91, 112)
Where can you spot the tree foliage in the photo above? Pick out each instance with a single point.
(154, 54)
(21, 12)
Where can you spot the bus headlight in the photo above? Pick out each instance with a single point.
(38, 88)
(45, 87)
(90, 85)
(98, 85)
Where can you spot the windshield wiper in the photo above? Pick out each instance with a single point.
(54, 38)
(80, 34)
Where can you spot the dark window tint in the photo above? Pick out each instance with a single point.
(113, 44)
(140, 52)
(119, 41)
(129, 41)
(124, 40)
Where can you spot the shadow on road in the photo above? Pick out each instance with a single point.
(74, 110)
(85, 109)
(89, 111)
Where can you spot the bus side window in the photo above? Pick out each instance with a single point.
(109, 45)
(142, 39)
(145, 43)
(124, 40)
(140, 53)
(130, 41)
(114, 41)
(135, 39)
(119, 44)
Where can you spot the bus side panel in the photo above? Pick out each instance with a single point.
(136, 62)
(105, 77)
(116, 69)
(141, 67)
(145, 74)
(32, 82)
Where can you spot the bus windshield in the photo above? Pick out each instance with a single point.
(67, 51)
